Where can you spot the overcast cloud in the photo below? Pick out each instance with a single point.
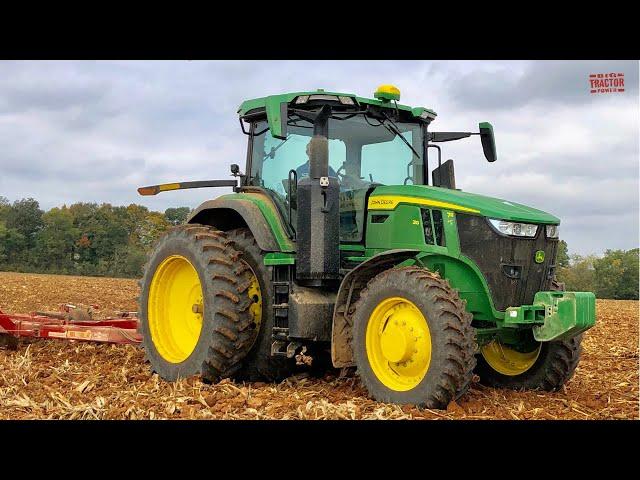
(94, 131)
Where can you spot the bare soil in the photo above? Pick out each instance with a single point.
(59, 379)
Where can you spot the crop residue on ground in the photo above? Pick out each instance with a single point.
(57, 379)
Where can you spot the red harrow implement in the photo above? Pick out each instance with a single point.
(71, 323)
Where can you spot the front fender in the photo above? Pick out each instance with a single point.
(348, 294)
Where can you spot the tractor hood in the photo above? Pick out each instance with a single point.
(387, 197)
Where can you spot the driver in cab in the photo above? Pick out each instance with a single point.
(303, 170)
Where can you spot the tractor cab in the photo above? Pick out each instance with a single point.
(369, 142)
(361, 138)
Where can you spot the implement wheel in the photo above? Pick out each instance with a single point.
(412, 339)
(198, 307)
(8, 342)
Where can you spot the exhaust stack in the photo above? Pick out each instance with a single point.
(318, 219)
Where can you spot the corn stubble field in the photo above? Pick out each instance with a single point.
(75, 380)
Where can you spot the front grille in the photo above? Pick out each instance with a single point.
(507, 263)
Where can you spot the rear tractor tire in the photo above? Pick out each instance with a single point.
(259, 364)
(199, 305)
(412, 339)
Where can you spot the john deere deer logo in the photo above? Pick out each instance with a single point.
(539, 258)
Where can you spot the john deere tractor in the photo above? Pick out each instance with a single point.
(339, 239)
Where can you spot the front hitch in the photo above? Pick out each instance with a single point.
(555, 315)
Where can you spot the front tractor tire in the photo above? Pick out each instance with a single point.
(543, 366)
(199, 305)
(412, 339)
(547, 367)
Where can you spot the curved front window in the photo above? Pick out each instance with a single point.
(363, 153)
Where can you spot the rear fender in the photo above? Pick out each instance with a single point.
(254, 211)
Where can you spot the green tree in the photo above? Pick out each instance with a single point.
(145, 226)
(3, 239)
(25, 216)
(126, 262)
(12, 245)
(177, 215)
(616, 274)
(563, 254)
(55, 243)
(579, 276)
(4, 208)
(101, 232)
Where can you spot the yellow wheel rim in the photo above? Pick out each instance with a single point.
(175, 308)
(255, 295)
(398, 344)
(508, 361)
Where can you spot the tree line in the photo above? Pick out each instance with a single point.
(106, 240)
(80, 239)
(615, 274)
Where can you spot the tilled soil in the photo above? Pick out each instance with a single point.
(58, 379)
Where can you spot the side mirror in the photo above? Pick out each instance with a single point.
(488, 141)
(235, 169)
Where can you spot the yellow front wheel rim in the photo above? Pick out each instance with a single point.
(175, 308)
(398, 344)
(508, 361)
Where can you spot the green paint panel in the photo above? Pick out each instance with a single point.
(523, 315)
(267, 208)
(488, 206)
(272, 100)
(417, 111)
(272, 108)
(567, 314)
(464, 277)
(348, 247)
(278, 258)
(403, 229)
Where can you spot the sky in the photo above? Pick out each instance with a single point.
(94, 131)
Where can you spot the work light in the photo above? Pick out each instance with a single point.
(552, 231)
(426, 115)
(514, 228)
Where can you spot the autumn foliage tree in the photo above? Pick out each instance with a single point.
(81, 239)
(614, 275)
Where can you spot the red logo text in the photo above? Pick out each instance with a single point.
(606, 82)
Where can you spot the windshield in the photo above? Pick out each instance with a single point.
(360, 148)
(363, 152)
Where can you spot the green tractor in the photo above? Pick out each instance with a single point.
(339, 242)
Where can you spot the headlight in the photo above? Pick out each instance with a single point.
(514, 228)
(552, 231)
